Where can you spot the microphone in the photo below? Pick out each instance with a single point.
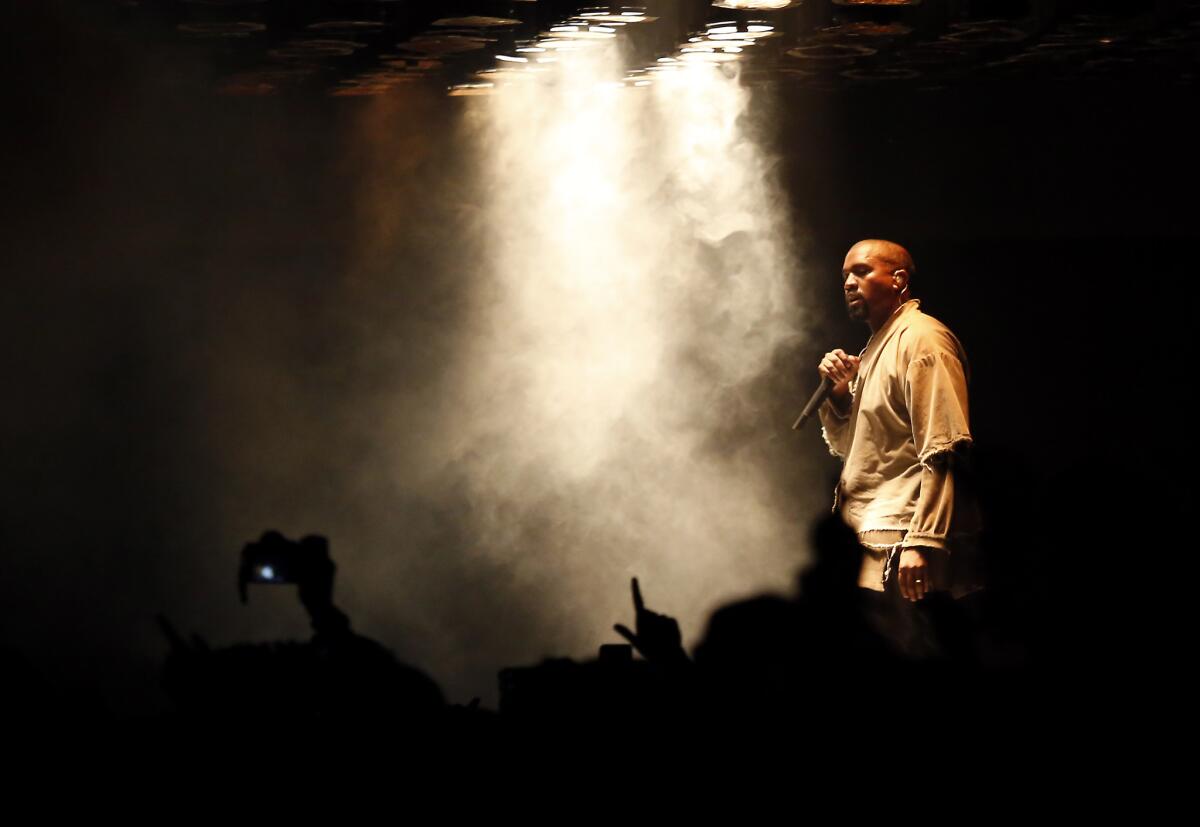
(819, 396)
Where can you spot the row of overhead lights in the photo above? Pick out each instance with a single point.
(721, 42)
(537, 55)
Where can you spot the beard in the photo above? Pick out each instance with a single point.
(857, 311)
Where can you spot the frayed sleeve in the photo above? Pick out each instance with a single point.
(935, 390)
(835, 429)
(934, 510)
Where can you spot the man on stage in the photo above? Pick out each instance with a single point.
(897, 417)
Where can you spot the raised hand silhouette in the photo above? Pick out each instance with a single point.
(657, 636)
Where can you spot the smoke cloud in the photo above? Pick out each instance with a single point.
(600, 417)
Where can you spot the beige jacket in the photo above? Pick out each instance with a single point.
(908, 417)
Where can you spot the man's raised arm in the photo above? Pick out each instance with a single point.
(840, 367)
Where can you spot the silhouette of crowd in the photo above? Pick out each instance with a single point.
(1063, 638)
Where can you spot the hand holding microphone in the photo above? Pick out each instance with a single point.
(837, 368)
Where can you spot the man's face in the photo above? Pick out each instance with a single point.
(868, 285)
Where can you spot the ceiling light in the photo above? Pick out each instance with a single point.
(755, 5)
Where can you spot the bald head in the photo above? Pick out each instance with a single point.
(891, 254)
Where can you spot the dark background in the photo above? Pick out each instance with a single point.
(155, 233)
